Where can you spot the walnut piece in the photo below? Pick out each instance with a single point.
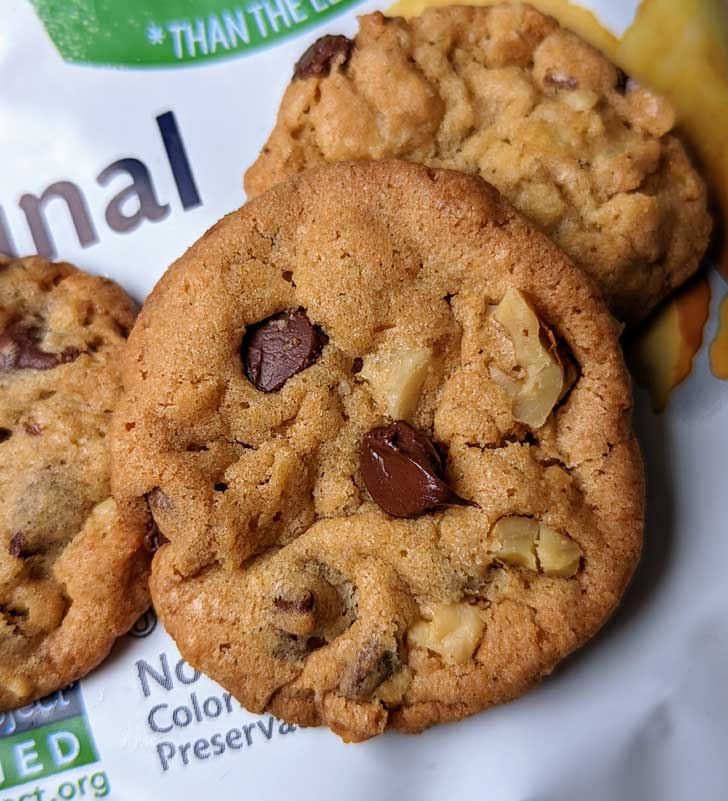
(558, 555)
(525, 542)
(20, 687)
(453, 631)
(535, 349)
(515, 541)
(395, 378)
(509, 385)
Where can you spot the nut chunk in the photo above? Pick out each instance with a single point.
(454, 632)
(558, 555)
(515, 541)
(395, 378)
(541, 387)
(526, 542)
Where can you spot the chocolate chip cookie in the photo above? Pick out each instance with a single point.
(382, 426)
(505, 93)
(71, 578)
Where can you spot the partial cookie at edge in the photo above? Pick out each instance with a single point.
(72, 578)
(505, 93)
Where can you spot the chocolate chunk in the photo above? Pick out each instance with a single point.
(561, 80)
(403, 471)
(18, 546)
(5, 434)
(19, 350)
(295, 613)
(373, 666)
(317, 60)
(301, 605)
(275, 349)
(292, 647)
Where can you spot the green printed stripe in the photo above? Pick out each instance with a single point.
(38, 753)
(149, 33)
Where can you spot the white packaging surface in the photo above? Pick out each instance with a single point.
(640, 713)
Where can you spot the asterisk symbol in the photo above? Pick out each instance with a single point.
(155, 34)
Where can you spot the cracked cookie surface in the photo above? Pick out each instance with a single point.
(71, 578)
(505, 93)
(279, 574)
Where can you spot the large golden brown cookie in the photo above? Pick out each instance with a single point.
(71, 579)
(383, 427)
(505, 93)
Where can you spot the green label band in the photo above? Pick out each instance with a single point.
(140, 33)
(41, 752)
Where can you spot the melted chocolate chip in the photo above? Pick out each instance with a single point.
(403, 471)
(372, 667)
(275, 349)
(5, 434)
(301, 605)
(317, 60)
(292, 647)
(19, 350)
(561, 80)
